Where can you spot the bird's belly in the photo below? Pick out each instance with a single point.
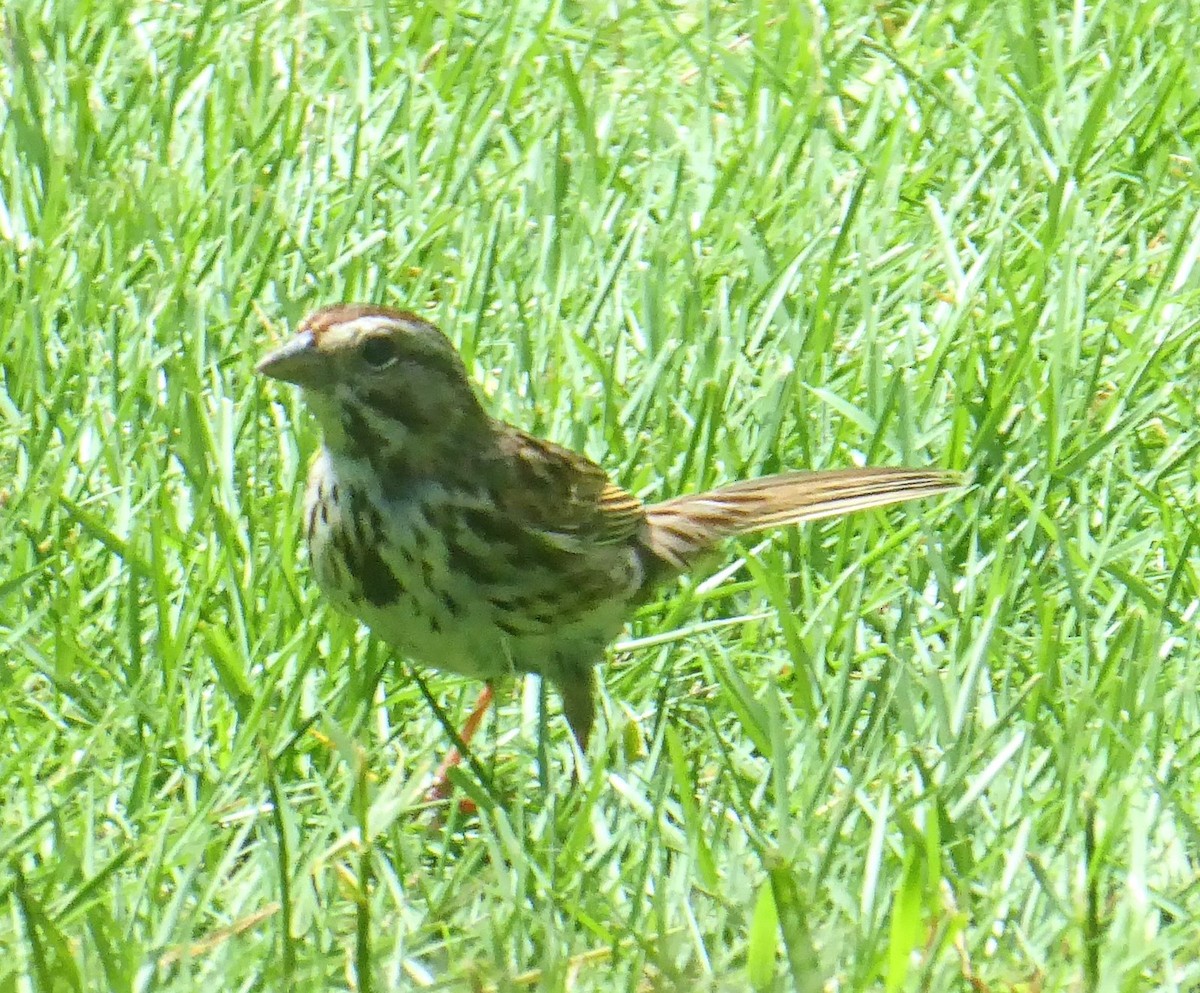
(438, 641)
(414, 574)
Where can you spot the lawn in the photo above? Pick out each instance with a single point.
(948, 746)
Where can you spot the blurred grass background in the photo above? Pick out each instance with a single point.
(950, 746)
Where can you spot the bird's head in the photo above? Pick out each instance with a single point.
(377, 379)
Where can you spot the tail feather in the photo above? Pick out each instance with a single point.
(685, 527)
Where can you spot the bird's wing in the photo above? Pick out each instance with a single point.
(566, 496)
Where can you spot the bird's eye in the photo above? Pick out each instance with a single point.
(378, 352)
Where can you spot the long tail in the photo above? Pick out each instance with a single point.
(685, 527)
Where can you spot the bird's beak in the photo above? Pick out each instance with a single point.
(298, 362)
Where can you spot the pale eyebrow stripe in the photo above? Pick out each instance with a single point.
(437, 359)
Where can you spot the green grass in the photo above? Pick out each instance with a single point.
(953, 746)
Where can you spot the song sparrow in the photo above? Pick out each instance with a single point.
(472, 546)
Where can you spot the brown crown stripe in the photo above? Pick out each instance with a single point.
(343, 313)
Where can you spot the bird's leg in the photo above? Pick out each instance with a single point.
(440, 788)
(577, 690)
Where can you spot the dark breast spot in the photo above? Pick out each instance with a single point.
(508, 627)
(363, 519)
(518, 603)
(379, 584)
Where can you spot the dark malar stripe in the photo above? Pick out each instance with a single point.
(365, 440)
